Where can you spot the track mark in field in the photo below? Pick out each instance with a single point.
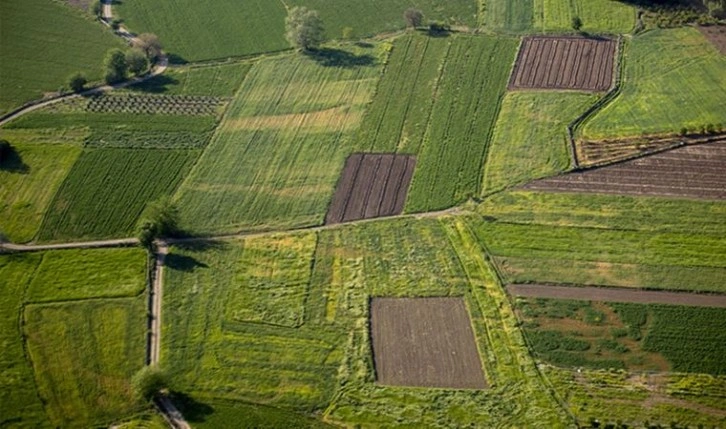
(607, 294)
(689, 172)
(425, 342)
(371, 186)
(564, 63)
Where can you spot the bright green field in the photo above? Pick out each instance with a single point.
(71, 364)
(518, 153)
(277, 154)
(607, 240)
(673, 79)
(324, 363)
(194, 31)
(107, 189)
(43, 43)
(26, 191)
(221, 80)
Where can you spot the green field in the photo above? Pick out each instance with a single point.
(276, 156)
(107, 189)
(218, 80)
(68, 351)
(43, 43)
(673, 79)
(607, 240)
(519, 154)
(194, 31)
(324, 364)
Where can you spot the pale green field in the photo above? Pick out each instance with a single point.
(598, 16)
(673, 79)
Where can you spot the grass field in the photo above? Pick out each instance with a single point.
(193, 31)
(107, 189)
(518, 154)
(44, 42)
(673, 79)
(28, 184)
(277, 154)
(68, 351)
(219, 80)
(327, 358)
(607, 240)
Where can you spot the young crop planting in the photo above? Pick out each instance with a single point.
(189, 105)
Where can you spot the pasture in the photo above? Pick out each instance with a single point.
(673, 79)
(69, 363)
(43, 43)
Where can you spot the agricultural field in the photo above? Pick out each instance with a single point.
(687, 172)
(673, 81)
(371, 186)
(259, 26)
(215, 80)
(519, 154)
(564, 63)
(69, 361)
(326, 363)
(71, 42)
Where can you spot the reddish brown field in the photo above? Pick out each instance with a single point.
(716, 34)
(425, 342)
(690, 172)
(564, 63)
(371, 185)
(603, 294)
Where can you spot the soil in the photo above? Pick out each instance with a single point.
(425, 342)
(371, 186)
(716, 34)
(689, 172)
(564, 63)
(603, 294)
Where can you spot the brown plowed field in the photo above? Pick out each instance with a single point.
(371, 185)
(425, 342)
(716, 34)
(564, 63)
(603, 294)
(690, 172)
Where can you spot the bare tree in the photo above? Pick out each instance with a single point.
(304, 28)
(414, 17)
(151, 46)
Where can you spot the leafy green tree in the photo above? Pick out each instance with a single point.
(413, 17)
(576, 23)
(115, 66)
(77, 82)
(160, 220)
(137, 62)
(148, 382)
(304, 28)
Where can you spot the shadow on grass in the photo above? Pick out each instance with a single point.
(192, 410)
(12, 162)
(200, 245)
(156, 85)
(331, 57)
(183, 262)
(176, 59)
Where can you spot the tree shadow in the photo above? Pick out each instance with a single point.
(12, 162)
(362, 44)
(192, 410)
(661, 4)
(176, 59)
(201, 244)
(331, 57)
(183, 262)
(157, 84)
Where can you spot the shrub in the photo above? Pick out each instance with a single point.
(115, 66)
(77, 82)
(148, 382)
(136, 61)
(439, 27)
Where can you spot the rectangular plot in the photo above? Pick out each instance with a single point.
(372, 185)
(564, 63)
(426, 342)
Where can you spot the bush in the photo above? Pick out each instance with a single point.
(576, 23)
(137, 62)
(148, 382)
(115, 66)
(77, 82)
(439, 27)
(160, 219)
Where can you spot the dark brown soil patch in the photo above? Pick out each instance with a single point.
(564, 63)
(716, 34)
(427, 342)
(604, 294)
(688, 172)
(371, 185)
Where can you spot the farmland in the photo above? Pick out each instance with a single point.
(217, 80)
(673, 79)
(691, 172)
(519, 154)
(184, 25)
(564, 63)
(79, 354)
(70, 42)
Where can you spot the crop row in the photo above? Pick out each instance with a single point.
(155, 104)
(147, 139)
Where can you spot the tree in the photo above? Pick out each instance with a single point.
(150, 45)
(576, 23)
(77, 82)
(136, 61)
(148, 382)
(304, 28)
(160, 219)
(115, 66)
(413, 17)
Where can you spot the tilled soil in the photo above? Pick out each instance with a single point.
(371, 185)
(690, 172)
(605, 294)
(425, 342)
(716, 34)
(564, 63)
